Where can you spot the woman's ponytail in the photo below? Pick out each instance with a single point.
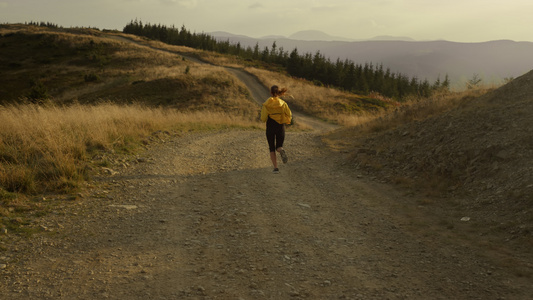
(276, 91)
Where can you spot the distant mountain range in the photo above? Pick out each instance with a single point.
(311, 35)
(492, 61)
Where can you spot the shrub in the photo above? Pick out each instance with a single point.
(91, 77)
(38, 92)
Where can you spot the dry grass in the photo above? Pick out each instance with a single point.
(418, 109)
(359, 126)
(46, 148)
(123, 72)
(329, 104)
(156, 44)
(326, 103)
(210, 57)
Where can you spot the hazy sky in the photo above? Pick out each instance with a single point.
(453, 20)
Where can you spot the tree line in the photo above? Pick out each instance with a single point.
(42, 24)
(342, 74)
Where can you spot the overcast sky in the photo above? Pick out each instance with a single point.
(452, 20)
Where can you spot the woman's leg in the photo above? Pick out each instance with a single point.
(280, 136)
(274, 159)
(280, 139)
(271, 138)
(275, 136)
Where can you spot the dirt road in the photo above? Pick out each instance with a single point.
(202, 217)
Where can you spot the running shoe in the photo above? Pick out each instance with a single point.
(284, 156)
(276, 171)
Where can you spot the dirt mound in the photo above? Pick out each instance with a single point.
(478, 156)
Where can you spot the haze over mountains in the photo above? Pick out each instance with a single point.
(493, 61)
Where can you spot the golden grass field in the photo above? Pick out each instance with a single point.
(44, 147)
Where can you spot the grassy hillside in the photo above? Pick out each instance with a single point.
(70, 66)
(63, 71)
(469, 156)
(72, 97)
(328, 104)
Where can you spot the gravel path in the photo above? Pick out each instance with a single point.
(201, 216)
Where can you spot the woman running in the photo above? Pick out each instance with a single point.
(276, 113)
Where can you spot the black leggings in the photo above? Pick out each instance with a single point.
(275, 133)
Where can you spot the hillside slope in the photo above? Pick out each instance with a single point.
(65, 66)
(479, 155)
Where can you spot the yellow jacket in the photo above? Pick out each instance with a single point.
(276, 109)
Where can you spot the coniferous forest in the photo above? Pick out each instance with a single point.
(342, 74)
